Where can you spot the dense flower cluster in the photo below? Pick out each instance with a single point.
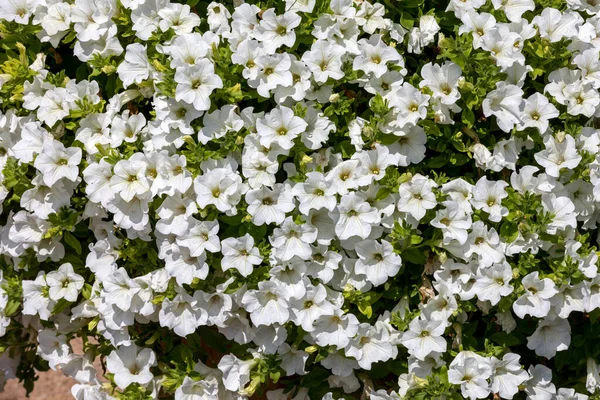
(301, 199)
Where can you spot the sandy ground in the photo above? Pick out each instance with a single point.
(51, 385)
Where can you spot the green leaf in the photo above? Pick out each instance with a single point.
(509, 231)
(407, 20)
(275, 376)
(415, 239)
(379, 105)
(72, 242)
(213, 338)
(414, 256)
(595, 316)
(411, 3)
(468, 117)
(346, 148)
(60, 306)
(365, 309)
(257, 232)
(315, 377)
(503, 338)
(86, 291)
(11, 307)
(437, 162)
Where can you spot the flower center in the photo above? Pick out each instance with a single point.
(281, 30)
(532, 290)
(270, 296)
(282, 131)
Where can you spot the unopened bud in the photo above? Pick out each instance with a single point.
(311, 349)
(306, 159)
(249, 391)
(109, 69)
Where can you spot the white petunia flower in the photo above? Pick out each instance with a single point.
(324, 60)
(56, 162)
(424, 337)
(442, 80)
(335, 329)
(592, 382)
(537, 113)
(240, 254)
(136, 67)
(181, 314)
(267, 305)
(354, 217)
(551, 335)
(488, 195)
(558, 155)
(267, 206)
(507, 375)
(416, 196)
(64, 283)
(201, 236)
(493, 283)
(130, 179)
(374, 56)
(275, 31)
(506, 104)
(314, 193)
(196, 83)
(536, 300)
(410, 103)
(560, 210)
(293, 240)
(377, 261)
(471, 376)
(131, 364)
(280, 127)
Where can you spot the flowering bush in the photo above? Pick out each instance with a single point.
(301, 199)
